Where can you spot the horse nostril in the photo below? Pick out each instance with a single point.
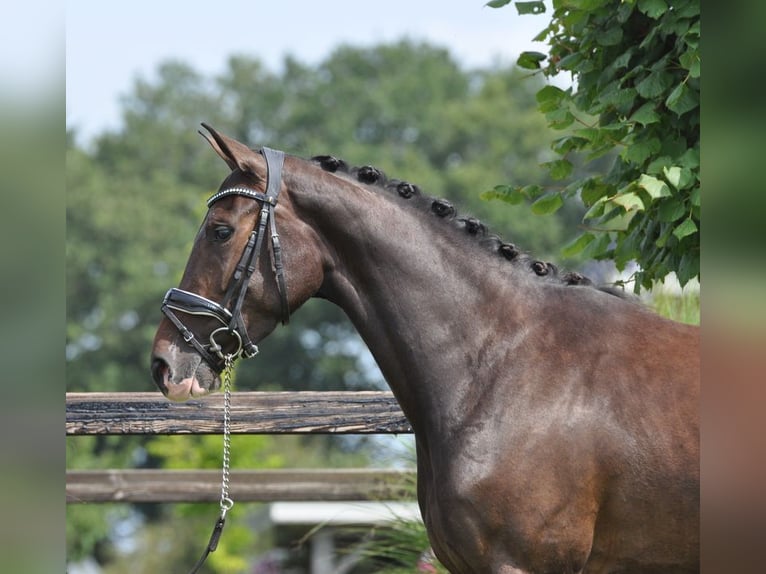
(159, 368)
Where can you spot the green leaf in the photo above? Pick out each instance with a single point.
(682, 99)
(694, 197)
(651, 38)
(621, 98)
(654, 187)
(653, 8)
(623, 59)
(626, 247)
(559, 169)
(505, 193)
(497, 3)
(658, 164)
(568, 143)
(688, 178)
(624, 11)
(532, 191)
(695, 28)
(690, 60)
(560, 118)
(693, 35)
(530, 7)
(645, 115)
(690, 158)
(678, 177)
(610, 37)
(655, 84)
(577, 244)
(549, 95)
(664, 236)
(590, 134)
(592, 191)
(598, 248)
(548, 203)
(688, 268)
(674, 145)
(639, 152)
(530, 60)
(542, 36)
(687, 227)
(670, 210)
(617, 220)
(687, 9)
(573, 62)
(584, 5)
(630, 201)
(596, 210)
(673, 175)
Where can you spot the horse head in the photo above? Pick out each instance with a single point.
(234, 291)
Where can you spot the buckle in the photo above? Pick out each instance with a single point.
(249, 351)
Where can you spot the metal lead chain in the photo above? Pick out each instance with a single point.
(226, 502)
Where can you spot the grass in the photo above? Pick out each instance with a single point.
(684, 307)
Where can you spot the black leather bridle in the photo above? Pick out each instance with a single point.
(229, 311)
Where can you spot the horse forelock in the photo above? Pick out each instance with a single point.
(444, 210)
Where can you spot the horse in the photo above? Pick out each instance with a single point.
(556, 422)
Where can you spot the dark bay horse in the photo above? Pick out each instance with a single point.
(556, 423)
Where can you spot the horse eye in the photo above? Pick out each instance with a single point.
(222, 233)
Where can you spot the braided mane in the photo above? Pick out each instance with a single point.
(444, 210)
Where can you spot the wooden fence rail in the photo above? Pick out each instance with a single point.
(245, 485)
(251, 413)
(368, 412)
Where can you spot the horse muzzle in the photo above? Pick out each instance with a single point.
(181, 373)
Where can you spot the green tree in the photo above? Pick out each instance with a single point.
(127, 237)
(636, 71)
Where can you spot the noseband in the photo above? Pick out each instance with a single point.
(229, 312)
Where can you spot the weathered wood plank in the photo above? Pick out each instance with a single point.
(368, 412)
(245, 485)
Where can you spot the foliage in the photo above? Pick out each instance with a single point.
(636, 67)
(400, 546)
(122, 248)
(397, 546)
(88, 527)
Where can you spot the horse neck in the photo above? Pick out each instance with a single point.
(423, 299)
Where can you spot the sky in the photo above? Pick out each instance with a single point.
(110, 44)
(31, 55)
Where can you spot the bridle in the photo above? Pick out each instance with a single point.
(229, 311)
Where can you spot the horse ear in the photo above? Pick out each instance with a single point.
(236, 155)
